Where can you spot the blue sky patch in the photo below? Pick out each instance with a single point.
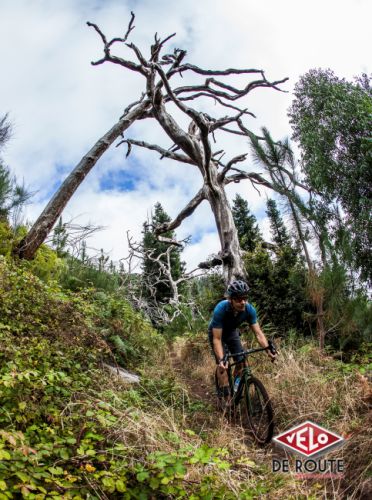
(123, 180)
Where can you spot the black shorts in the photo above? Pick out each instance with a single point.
(230, 343)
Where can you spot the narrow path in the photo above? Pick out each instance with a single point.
(197, 389)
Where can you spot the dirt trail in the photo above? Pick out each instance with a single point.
(200, 391)
(204, 392)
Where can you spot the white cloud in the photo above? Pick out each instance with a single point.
(60, 104)
(200, 251)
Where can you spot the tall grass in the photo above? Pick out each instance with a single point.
(303, 384)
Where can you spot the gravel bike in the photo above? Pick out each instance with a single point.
(248, 400)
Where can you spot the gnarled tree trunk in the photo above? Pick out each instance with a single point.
(39, 231)
(231, 255)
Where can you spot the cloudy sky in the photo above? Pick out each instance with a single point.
(59, 104)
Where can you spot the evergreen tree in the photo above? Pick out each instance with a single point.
(156, 285)
(13, 196)
(277, 285)
(60, 237)
(278, 229)
(5, 130)
(278, 289)
(246, 225)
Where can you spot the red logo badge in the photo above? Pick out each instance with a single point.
(308, 439)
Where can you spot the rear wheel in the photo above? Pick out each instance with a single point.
(257, 411)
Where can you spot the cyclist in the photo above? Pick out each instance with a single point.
(223, 331)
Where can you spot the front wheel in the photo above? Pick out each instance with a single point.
(259, 411)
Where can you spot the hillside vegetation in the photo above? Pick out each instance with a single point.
(69, 429)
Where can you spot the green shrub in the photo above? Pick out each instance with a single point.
(46, 264)
(6, 239)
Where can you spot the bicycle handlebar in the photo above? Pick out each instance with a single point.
(271, 347)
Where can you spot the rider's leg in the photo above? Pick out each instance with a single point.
(222, 377)
(234, 345)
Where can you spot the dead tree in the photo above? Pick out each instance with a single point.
(192, 146)
(162, 274)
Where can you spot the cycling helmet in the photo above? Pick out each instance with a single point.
(237, 288)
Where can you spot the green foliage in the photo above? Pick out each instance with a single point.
(331, 120)
(278, 160)
(69, 431)
(278, 287)
(6, 239)
(131, 337)
(26, 315)
(156, 285)
(246, 225)
(58, 420)
(60, 237)
(5, 130)
(347, 315)
(185, 318)
(55, 439)
(278, 229)
(13, 196)
(46, 264)
(78, 274)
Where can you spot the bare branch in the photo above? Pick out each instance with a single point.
(118, 60)
(161, 274)
(229, 165)
(211, 72)
(293, 178)
(133, 104)
(103, 37)
(130, 26)
(138, 53)
(209, 264)
(186, 212)
(170, 241)
(154, 147)
(177, 58)
(254, 177)
(27, 247)
(228, 119)
(175, 132)
(199, 118)
(114, 40)
(158, 45)
(238, 93)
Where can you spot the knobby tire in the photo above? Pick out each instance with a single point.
(259, 410)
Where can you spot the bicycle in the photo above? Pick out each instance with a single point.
(249, 401)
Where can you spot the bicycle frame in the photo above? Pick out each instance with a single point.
(256, 412)
(245, 375)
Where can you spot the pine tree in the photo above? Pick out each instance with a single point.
(246, 225)
(60, 237)
(13, 196)
(278, 229)
(156, 285)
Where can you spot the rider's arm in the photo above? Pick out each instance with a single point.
(260, 336)
(217, 342)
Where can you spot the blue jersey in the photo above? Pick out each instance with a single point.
(226, 318)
